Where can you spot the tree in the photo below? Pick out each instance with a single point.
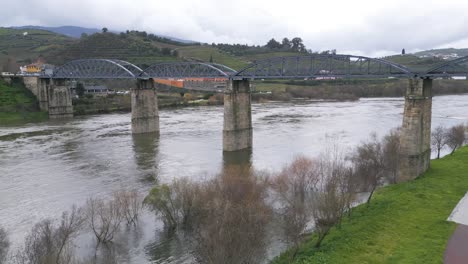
(130, 203)
(294, 186)
(104, 30)
(336, 192)
(297, 44)
(4, 245)
(369, 164)
(391, 154)
(438, 139)
(403, 52)
(455, 137)
(104, 218)
(211, 58)
(286, 44)
(84, 35)
(273, 44)
(49, 243)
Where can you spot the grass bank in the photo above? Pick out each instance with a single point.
(405, 223)
(18, 104)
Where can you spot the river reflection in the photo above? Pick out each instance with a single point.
(146, 150)
(47, 167)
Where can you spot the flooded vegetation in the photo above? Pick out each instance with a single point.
(249, 206)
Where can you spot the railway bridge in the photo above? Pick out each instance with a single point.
(55, 96)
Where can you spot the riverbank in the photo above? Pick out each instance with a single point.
(405, 223)
(18, 104)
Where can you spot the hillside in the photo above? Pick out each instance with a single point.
(415, 63)
(449, 53)
(138, 47)
(114, 46)
(24, 48)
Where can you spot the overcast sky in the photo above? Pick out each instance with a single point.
(372, 28)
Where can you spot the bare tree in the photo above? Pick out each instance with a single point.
(455, 137)
(49, 242)
(4, 245)
(369, 164)
(391, 154)
(104, 218)
(231, 224)
(294, 186)
(336, 192)
(438, 139)
(70, 225)
(130, 203)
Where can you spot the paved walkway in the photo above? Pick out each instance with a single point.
(457, 246)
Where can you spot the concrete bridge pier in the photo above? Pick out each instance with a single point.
(59, 99)
(237, 132)
(145, 113)
(41, 93)
(415, 140)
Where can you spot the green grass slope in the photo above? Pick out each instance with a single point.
(405, 223)
(18, 104)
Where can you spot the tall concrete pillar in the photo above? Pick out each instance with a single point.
(415, 138)
(145, 113)
(60, 99)
(237, 132)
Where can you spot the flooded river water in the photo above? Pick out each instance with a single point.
(47, 167)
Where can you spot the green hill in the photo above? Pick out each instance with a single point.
(23, 48)
(114, 46)
(415, 63)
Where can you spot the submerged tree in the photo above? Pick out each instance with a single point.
(50, 242)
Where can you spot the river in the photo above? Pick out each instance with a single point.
(47, 167)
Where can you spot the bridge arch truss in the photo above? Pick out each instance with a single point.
(187, 70)
(97, 69)
(457, 67)
(323, 66)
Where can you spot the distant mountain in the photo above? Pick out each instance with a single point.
(75, 32)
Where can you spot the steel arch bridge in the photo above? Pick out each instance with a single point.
(97, 69)
(457, 67)
(323, 66)
(318, 66)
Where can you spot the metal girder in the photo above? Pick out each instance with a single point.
(323, 66)
(457, 67)
(97, 69)
(187, 70)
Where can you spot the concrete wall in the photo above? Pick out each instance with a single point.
(60, 100)
(32, 83)
(416, 130)
(145, 113)
(237, 132)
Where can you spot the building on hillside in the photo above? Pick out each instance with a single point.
(33, 68)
